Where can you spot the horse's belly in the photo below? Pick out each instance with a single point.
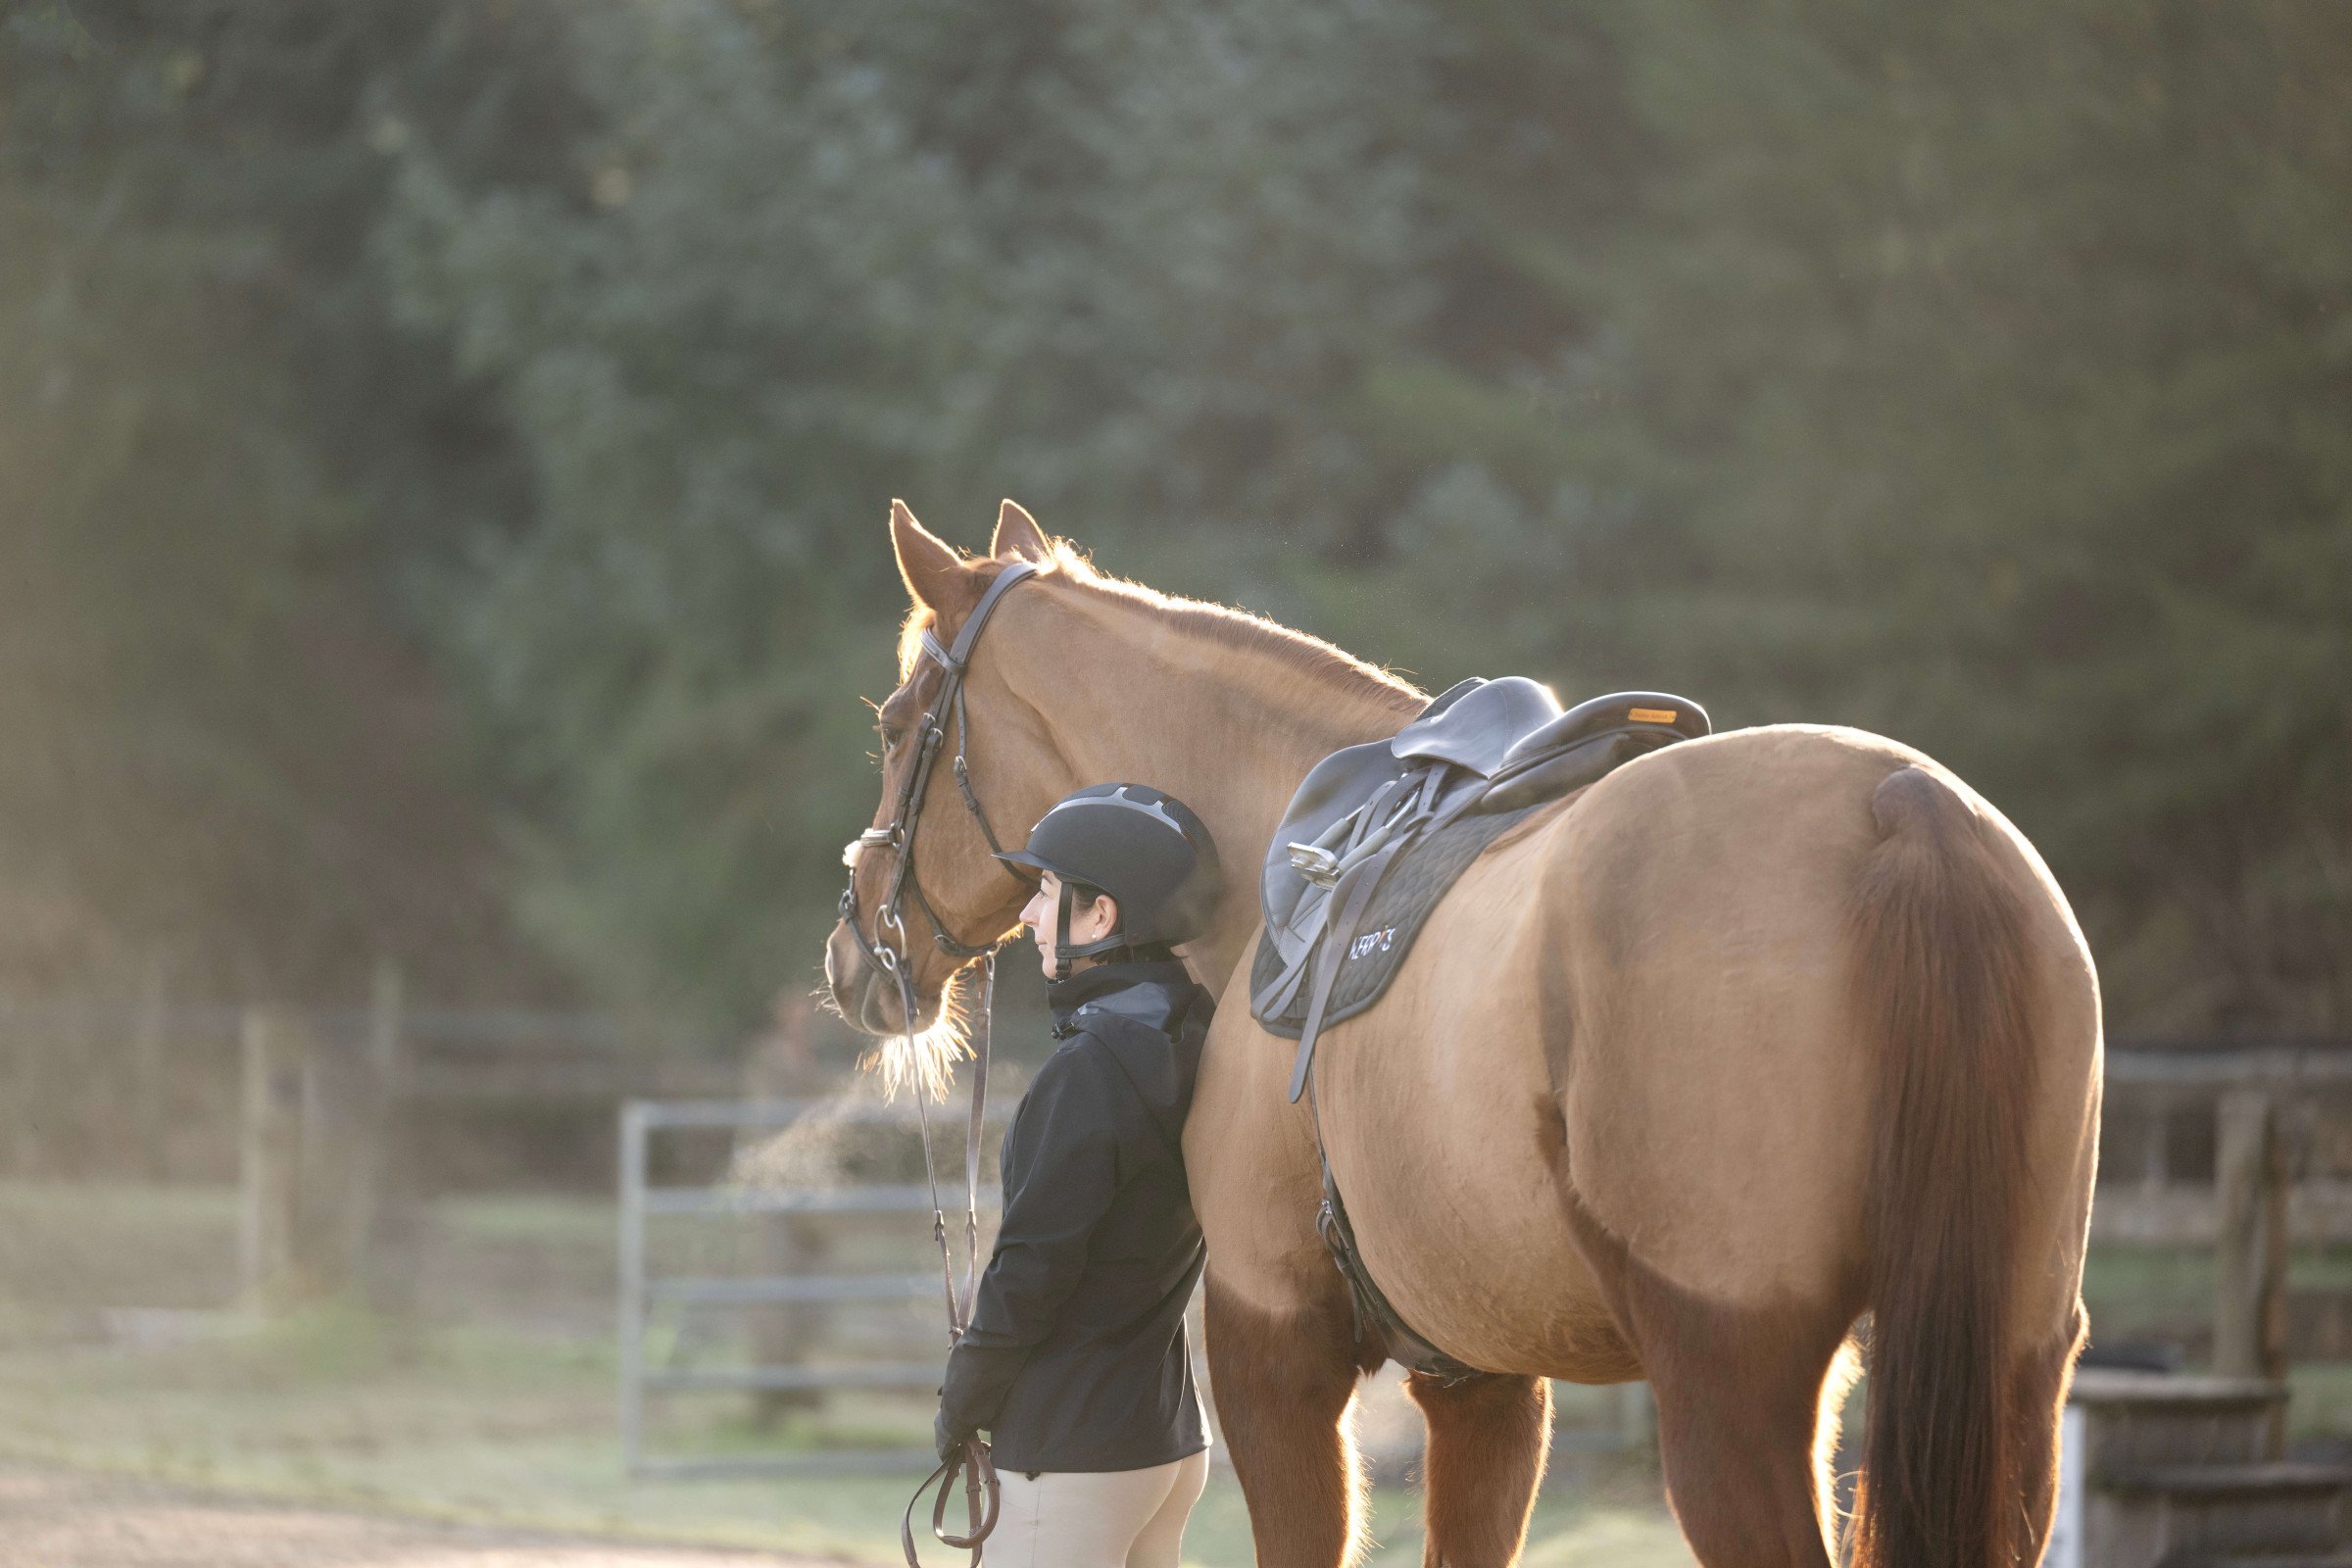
(1537, 1314)
(1480, 1263)
(1445, 1139)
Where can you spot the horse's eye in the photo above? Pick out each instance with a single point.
(892, 734)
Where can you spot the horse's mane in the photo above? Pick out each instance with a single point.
(1314, 660)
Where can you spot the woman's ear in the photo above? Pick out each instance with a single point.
(935, 571)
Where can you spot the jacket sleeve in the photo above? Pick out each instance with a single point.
(1063, 1156)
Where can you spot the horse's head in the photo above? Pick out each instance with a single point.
(925, 893)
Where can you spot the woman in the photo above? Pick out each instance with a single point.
(1077, 1364)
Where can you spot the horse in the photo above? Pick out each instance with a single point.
(1761, 1038)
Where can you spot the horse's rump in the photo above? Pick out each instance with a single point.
(1648, 1000)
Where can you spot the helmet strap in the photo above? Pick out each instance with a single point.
(1065, 950)
(1062, 935)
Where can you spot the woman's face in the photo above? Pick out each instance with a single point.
(1088, 924)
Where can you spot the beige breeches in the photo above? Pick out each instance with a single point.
(1105, 1519)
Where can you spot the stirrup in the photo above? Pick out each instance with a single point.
(1315, 864)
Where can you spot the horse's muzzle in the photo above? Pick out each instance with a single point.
(867, 997)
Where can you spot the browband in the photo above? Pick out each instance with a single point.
(952, 660)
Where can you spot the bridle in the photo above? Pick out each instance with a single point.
(881, 949)
(887, 953)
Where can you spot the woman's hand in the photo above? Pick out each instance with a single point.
(948, 1441)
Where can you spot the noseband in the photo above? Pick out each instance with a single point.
(887, 953)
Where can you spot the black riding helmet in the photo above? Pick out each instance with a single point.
(1145, 848)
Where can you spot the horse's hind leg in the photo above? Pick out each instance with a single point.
(2037, 1398)
(1282, 1385)
(1487, 1437)
(1740, 1399)
(1746, 1406)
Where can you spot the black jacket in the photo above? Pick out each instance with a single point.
(1077, 1356)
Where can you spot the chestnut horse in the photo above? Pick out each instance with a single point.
(1758, 1034)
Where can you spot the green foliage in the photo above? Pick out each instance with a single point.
(1976, 375)
(1983, 371)
(818, 255)
(222, 748)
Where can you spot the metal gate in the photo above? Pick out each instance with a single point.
(1628, 1422)
(642, 1290)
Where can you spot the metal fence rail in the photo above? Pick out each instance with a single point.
(642, 1290)
(2158, 1092)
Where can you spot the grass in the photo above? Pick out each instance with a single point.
(501, 1410)
(493, 1427)
(2136, 1290)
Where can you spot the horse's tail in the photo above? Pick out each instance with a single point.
(1942, 987)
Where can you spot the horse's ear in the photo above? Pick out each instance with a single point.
(935, 572)
(1018, 537)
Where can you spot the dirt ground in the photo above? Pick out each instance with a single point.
(65, 1519)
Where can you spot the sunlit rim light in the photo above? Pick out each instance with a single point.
(926, 1063)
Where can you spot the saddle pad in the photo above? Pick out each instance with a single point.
(1409, 890)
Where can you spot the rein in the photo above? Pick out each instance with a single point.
(887, 953)
(979, 1471)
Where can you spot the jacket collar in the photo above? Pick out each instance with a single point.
(1066, 997)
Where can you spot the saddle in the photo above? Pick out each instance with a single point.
(1371, 842)
(1377, 833)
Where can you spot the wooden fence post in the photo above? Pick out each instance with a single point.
(16, 1093)
(2249, 1309)
(269, 1157)
(152, 1071)
(2156, 1146)
(784, 1067)
(334, 1137)
(386, 1228)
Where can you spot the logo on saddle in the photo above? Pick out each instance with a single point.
(1372, 941)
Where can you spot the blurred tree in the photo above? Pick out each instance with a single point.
(1978, 376)
(1983, 376)
(1968, 376)
(224, 745)
(1123, 263)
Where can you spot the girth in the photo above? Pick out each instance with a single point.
(1405, 1348)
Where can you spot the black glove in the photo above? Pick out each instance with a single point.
(946, 1440)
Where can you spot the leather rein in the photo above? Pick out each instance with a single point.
(887, 950)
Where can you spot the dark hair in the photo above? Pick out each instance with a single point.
(1084, 894)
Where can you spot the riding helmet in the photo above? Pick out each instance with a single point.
(1143, 847)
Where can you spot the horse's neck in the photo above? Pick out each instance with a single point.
(1229, 731)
